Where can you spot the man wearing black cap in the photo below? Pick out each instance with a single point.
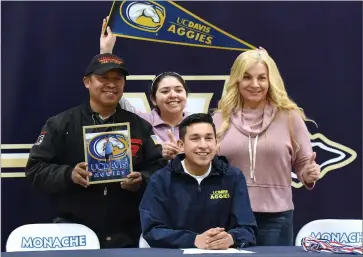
(56, 162)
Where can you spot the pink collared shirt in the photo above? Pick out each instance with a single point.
(160, 128)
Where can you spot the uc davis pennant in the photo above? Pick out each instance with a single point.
(167, 22)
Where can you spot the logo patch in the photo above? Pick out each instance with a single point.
(135, 145)
(40, 138)
(156, 139)
(106, 59)
(219, 194)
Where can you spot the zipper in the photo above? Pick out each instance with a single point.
(240, 247)
(104, 206)
(199, 189)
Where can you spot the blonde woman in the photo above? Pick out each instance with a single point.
(262, 132)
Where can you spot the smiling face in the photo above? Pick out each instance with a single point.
(170, 96)
(254, 84)
(199, 145)
(106, 89)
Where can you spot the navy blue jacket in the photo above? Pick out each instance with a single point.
(175, 208)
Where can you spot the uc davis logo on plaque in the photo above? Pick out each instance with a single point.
(107, 153)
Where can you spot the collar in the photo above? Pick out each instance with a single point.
(219, 165)
(105, 118)
(89, 115)
(88, 110)
(157, 120)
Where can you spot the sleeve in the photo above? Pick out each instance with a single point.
(301, 137)
(126, 105)
(242, 227)
(217, 120)
(42, 168)
(151, 151)
(153, 216)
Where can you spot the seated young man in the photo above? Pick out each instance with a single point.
(197, 200)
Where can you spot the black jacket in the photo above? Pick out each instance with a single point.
(60, 148)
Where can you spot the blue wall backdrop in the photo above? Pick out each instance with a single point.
(46, 47)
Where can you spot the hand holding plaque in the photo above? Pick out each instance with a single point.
(133, 181)
(80, 174)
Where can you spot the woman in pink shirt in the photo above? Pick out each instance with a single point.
(262, 132)
(168, 93)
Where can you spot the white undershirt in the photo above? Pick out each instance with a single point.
(198, 178)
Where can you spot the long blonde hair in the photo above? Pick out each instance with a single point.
(276, 94)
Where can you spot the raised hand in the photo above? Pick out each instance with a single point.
(107, 42)
(311, 171)
(170, 148)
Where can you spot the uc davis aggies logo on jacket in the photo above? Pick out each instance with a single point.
(99, 145)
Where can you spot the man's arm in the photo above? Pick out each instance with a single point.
(42, 168)
(153, 216)
(242, 225)
(126, 105)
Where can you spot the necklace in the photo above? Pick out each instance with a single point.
(100, 121)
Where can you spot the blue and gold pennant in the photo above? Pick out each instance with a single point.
(167, 22)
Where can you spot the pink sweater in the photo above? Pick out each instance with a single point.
(269, 181)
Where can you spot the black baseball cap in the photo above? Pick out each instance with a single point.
(102, 63)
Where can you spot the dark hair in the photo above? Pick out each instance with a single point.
(194, 119)
(160, 77)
